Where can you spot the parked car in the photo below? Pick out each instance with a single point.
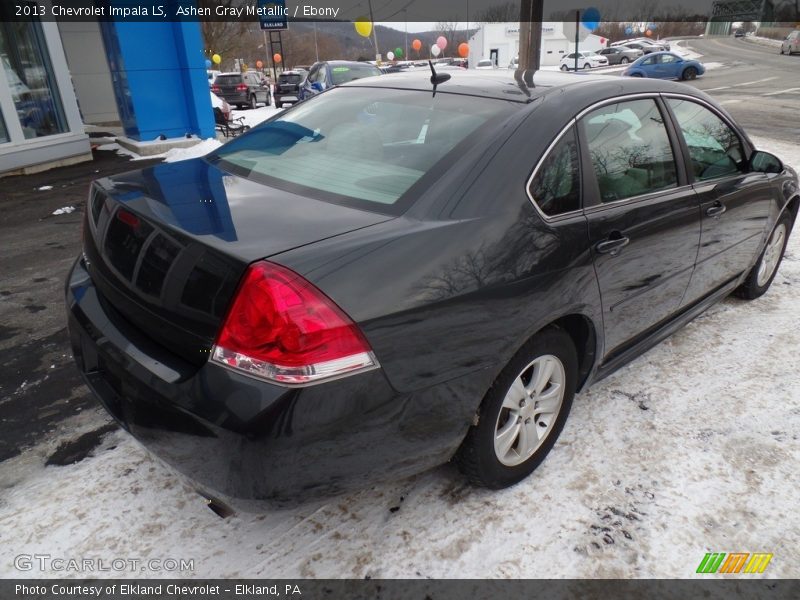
(242, 89)
(324, 75)
(329, 299)
(791, 44)
(739, 33)
(586, 60)
(665, 65)
(657, 45)
(620, 55)
(644, 48)
(287, 89)
(485, 64)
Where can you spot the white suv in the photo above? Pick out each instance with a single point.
(586, 60)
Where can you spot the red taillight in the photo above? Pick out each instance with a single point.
(282, 328)
(241, 88)
(128, 218)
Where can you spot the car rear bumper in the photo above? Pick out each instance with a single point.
(238, 438)
(235, 98)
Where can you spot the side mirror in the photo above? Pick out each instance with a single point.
(764, 162)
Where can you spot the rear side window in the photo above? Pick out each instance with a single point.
(289, 78)
(555, 186)
(630, 150)
(343, 73)
(714, 148)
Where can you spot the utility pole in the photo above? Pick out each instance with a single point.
(374, 35)
(531, 13)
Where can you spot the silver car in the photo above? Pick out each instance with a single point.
(792, 43)
(620, 55)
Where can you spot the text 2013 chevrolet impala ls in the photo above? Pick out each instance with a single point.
(382, 279)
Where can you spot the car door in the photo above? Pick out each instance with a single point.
(734, 203)
(668, 66)
(648, 65)
(643, 217)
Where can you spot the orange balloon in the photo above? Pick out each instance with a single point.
(463, 49)
(277, 58)
(416, 45)
(648, 33)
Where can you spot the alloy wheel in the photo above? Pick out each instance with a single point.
(772, 255)
(529, 410)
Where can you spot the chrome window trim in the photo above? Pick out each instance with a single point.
(573, 122)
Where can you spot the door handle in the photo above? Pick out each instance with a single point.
(716, 209)
(613, 244)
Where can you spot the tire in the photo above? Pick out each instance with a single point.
(564, 68)
(763, 272)
(499, 463)
(689, 73)
(781, 49)
(278, 104)
(253, 102)
(587, 66)
(268, 100)
(624, 60)
(636, 75)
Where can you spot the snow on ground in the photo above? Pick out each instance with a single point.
(692, 448)
(254, 117)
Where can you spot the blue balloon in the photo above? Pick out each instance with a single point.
(653, 25)
(628, 30)
(591, 18)
(208, 64)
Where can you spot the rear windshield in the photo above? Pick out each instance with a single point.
(344, 73)
(289, 78)
(228, 79)
(364, 147)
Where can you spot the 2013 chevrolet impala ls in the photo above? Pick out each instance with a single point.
(407, 270)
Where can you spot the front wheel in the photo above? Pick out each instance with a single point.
(763, 272)
(523, 412)
(253, 102)
(624, 60)
(690, 73)
(587, 66)
(564, 68)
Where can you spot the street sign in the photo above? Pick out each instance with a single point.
(272, 15)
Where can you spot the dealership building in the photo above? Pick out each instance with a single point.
(499, 42)
(58, 76)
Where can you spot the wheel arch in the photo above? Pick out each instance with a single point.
(583, 333)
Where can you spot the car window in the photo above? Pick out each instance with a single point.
(714, 148)
(649, 61)
(344, 73)
(228, 79)
(571, 55)
(630, 150)
(556, 185)
(359, 146)
(668, 59)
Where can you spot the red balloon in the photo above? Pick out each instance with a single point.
(602, 40)
(416, 45)
(463, 49)
(277, 58)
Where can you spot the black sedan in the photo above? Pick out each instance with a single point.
(383, 279)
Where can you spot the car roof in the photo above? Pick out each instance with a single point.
(500, 84)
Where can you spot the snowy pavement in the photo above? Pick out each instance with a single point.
(692, 448)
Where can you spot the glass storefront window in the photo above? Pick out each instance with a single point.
(26, 65)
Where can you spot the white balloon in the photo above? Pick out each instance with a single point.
(435, 50)
(390, 55)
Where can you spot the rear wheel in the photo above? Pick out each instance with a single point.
(636, 74)
(523, 412)
(587, 66)
(689, 73)
(763, 272)
(564, 68)
(253, 102)
(278, 104)
(624, 60)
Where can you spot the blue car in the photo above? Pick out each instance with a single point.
(324, 75)
(664, 65)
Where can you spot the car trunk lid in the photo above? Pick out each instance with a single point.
(166, 246)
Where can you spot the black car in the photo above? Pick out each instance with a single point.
(384, 279)
(287, 89)
(242, 89)
(325, 75)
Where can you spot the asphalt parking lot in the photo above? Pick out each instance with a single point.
(692, 448)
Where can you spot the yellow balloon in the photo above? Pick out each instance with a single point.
(363, 26)
(217, 59)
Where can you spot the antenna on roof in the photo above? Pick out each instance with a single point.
(437, 78)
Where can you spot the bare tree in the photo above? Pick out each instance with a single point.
(499, 13)
(448, 29)
(226, 38)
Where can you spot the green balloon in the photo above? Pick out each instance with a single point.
(398, 52)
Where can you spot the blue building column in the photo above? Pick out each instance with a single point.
(159, 78)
